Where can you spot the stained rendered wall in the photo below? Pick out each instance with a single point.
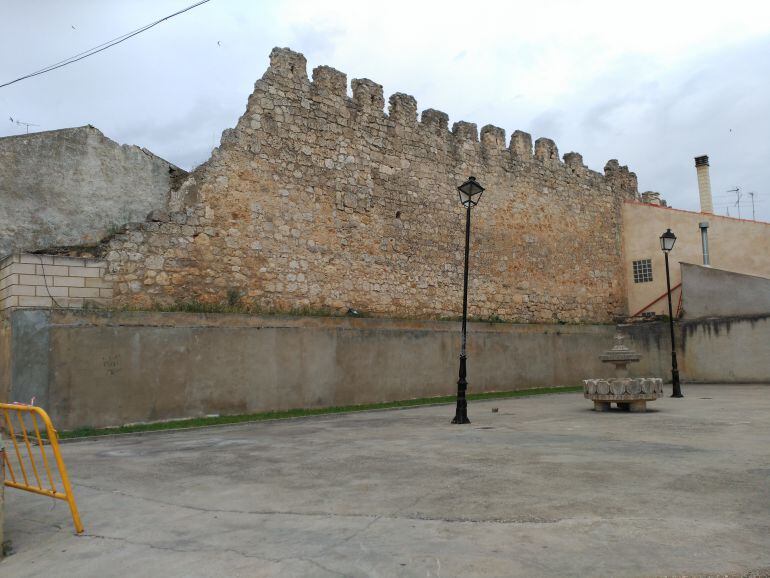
(111, 368)
(73, 186)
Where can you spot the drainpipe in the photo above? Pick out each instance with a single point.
(704, 239)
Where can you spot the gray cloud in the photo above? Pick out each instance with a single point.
(653, 102)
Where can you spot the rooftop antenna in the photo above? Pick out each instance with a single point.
(22, 123)
(753, 214)
(737, 191)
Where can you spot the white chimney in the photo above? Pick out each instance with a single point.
(704, 184)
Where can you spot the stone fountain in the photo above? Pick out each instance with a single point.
(629, 393)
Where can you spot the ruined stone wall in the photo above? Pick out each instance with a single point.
(319, 200)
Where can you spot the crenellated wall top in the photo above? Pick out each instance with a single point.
(288, 72)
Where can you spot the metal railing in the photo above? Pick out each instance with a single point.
(23, 471)
(665, 294)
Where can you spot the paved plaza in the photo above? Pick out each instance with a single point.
(543, 487)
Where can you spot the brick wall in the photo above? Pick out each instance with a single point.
(321, 200)
(31, 280)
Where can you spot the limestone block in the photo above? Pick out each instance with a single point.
(69, 282)
(50, 270)
(84, 272)
(29, 301)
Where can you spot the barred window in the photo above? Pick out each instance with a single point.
(643, 271)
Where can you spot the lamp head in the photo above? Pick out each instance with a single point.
(470, 192)
(667, 240)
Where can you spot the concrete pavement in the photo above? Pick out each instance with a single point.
(543, 487)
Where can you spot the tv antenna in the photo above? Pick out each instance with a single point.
(22, 123)
(753, 214)
(738, 195)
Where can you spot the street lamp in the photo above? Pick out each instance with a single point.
(667, 241)
(470, 193)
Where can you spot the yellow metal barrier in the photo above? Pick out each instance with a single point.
(25, 473)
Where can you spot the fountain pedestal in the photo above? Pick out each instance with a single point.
(629, 393)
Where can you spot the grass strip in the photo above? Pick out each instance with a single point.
(198, 422)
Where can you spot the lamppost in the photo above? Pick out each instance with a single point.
(667, 241)
(470, 193)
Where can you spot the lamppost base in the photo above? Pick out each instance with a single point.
(676, 387)
(461, 409)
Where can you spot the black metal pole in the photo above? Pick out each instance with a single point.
(461, 412)
(674, 369)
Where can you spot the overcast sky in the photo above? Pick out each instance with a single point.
(652, 85)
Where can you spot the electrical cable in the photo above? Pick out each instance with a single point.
(101, 47)
(45, 282)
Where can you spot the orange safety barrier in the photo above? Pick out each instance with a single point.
(25, 474)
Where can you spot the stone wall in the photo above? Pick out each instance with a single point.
(319, 200)
(30, 280)
(73, 186)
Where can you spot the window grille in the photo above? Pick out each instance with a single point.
(643, 271)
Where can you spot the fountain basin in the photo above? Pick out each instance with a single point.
(629, 393)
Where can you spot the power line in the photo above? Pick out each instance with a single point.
(724, 204)
(101, 47)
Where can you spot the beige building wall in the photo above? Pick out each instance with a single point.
(736, 245)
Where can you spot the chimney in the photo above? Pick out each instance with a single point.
(704, 184)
